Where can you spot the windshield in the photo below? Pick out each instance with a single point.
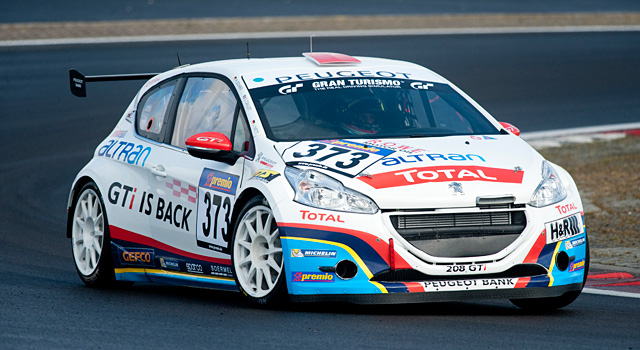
(366, 108)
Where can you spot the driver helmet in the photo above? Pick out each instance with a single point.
(363, 117)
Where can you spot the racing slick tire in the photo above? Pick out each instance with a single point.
(90, 240)
(256, 255)
(549, 304)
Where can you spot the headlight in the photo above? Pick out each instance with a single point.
(550, 190)
(321, 191)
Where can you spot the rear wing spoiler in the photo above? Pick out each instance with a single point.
(78, 82)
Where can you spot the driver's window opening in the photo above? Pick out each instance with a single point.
(207, 104)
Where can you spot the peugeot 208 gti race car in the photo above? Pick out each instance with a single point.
(324, 177)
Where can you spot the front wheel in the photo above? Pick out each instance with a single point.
(256, 255)
(90, 241)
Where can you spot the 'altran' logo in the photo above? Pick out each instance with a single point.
(288, 89)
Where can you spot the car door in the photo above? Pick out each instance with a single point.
(195, 197)
(132, 152)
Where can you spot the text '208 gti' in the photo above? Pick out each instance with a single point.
(324, 177)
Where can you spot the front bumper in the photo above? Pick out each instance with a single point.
(451, 296)
(389, 270)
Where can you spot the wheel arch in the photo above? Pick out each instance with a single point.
(243, 199)
(80, 182)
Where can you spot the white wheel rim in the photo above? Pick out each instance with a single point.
(87, 234)
(257, 252)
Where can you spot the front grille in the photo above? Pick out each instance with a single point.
(477, 233)
(439, 221)
(517, 271)
(453, 220)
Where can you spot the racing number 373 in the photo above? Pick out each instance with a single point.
(325, 154)
(218, 203)
(214, 220)
(216, 195)
(343, 157)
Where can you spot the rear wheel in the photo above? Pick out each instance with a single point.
(256, 254)
(90, 240)
(548, 304)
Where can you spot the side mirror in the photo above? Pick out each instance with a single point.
(213, 146)
(510, 128)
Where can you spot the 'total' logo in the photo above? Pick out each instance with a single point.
(415, 176)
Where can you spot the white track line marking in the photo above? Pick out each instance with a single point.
(320, 33)
(577, 131)
(612, 293)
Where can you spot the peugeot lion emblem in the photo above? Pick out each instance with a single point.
(457, 187)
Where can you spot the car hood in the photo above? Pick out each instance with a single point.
(422, 173)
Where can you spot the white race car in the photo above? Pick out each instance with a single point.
(324, 177)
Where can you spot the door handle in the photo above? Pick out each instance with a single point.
(159, 170)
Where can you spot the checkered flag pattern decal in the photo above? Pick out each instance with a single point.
(183, 190)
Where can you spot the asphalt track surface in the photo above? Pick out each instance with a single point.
(536, 81)
(14, 11)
